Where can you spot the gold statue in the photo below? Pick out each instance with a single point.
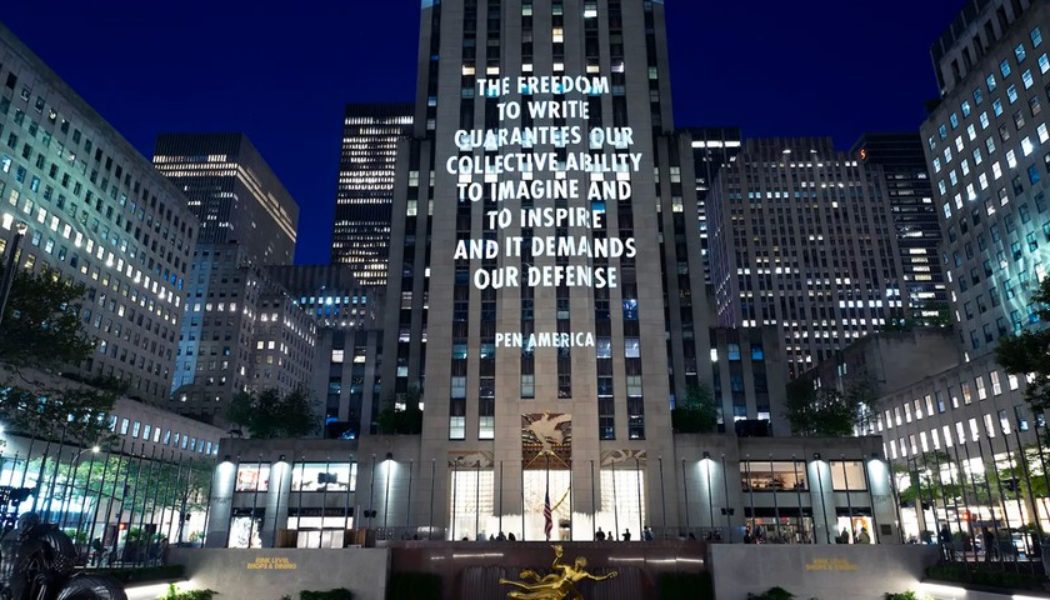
(559, 585)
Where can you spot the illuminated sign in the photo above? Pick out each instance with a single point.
(575, 166)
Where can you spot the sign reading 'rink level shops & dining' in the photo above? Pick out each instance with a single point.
(565, 190)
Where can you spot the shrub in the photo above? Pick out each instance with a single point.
(339, 594)
(175, 594)
(777, 593)
(903, 596)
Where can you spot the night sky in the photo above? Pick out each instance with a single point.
(818, 67)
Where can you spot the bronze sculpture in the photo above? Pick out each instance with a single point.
(559, 585)
(39, 563)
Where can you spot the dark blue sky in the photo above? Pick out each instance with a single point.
(282, 74)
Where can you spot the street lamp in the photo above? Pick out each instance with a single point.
(9, 267)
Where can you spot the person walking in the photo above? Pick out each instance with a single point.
(947, 547)
(599, 535)
(988, 537)
(626, 535)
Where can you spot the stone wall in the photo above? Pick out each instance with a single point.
(823, 572)
(270, 574)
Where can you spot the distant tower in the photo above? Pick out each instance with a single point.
(361, 231)
(233, 192)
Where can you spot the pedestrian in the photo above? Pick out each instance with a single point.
(945, 540)
(647, 534)
(599, 535)
(626, 535)
(863, 537)
(502, 537)
(988, 537)
(511, 537)
(843, 537)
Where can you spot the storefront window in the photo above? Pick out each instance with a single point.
(253, 477)
(848, 476)
(773, 476)
(324, 477)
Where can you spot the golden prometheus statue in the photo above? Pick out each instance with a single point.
(559, 585)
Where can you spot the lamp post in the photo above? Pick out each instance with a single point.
(9, 267)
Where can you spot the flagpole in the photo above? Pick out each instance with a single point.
(547, 513)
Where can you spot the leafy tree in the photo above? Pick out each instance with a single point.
(268, 415)
(405, 421)
(1028, 354)
(822, 412)
(136, 484)
(697, 413)
(42, 314)
(928, 480)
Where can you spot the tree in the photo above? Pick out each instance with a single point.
(697, 413)
(936, 477)
(1028, 354)
(268, 415)
(138, 484)
(42, 314)
(407, 420)
(821, 412)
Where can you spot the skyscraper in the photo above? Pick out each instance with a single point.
(910, 196)
(349, 348)
(713, 148)
(986, 146)
(97, 212)
(233, 192)
(580, 308)
(802, 237)
(361, 233)
(242, 332)
(248, 220)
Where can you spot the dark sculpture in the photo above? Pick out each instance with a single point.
(38, 562)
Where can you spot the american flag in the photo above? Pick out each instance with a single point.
(548, 522)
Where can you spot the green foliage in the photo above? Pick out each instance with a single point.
(904, 596)
(985, 576)
(776, 593)
(339, 594)
(418, 586)
(825, 412)
(42, 313)
(403, 422)
(1028, 354)
(175, 594)
(269, 416)
(686, 586)
(140, 485)
(698, 412)
(928, 480)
